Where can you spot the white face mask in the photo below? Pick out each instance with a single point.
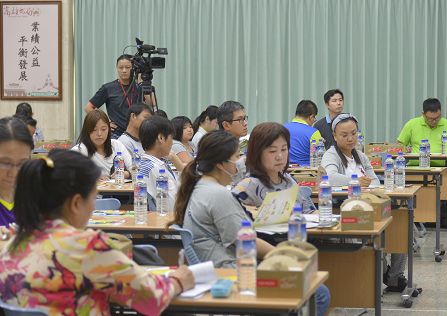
(241, 170)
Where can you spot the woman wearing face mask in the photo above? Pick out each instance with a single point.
(206, 207)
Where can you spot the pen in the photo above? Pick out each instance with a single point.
(181, 257)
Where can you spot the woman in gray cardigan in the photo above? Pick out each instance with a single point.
(341, 161)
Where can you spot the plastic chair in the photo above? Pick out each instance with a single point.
(187, 241)
(107, 204)
(148, 247)
(11, 310)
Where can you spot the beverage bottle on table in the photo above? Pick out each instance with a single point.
(135, 169)
(428, 152)
(119, 169)
(444, 142)
(354, 189)
(320, 153)
(246, 259)
(140, 200)
(325, 202)
(400, 171)
(297, 225)
(360, 141)
(313, 154)
(389, 173)
(422, 155)
(162, 193)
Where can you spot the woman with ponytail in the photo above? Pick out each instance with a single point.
(206, 207)
(16, 145)
(204, 123)
(53, 263)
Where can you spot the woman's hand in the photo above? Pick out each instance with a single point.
(365, 181)
(184, 276)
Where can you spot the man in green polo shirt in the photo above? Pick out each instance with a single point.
(429, 125)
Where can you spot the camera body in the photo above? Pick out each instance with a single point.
(144, 64)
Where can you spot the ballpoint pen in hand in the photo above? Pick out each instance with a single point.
(181, 257)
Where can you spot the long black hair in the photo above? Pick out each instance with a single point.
(90, 121)
(215, 147)
(45, 184)
(210, 113)
(12, 128)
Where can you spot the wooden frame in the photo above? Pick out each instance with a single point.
(31, 50)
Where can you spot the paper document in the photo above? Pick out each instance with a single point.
(204, 276)
(276, 207)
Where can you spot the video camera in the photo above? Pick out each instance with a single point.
(145, 65)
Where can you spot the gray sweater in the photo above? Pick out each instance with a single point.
(336, 171)
(218, 212)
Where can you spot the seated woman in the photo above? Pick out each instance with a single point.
(267, 162)
(16, 144)
(55, 264)
(95, 141)
(206, 207)
(182, 145)
(341, 161)
(204, 123)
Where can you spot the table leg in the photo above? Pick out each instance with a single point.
(439, 253)
(378, 275)
(312, 306)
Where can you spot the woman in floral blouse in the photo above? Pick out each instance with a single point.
(55, 264)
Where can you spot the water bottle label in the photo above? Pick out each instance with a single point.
(389, 166)
(294, 231)
(162, 184)
(325, 191)
(354, 190)
(248, 245)
(400, 164)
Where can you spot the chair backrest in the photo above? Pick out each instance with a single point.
(187, 241)
(305, 198)
(107, 204)
(11, 310)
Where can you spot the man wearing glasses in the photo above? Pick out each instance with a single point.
(302, 133)
(231, 118)
(429, 125)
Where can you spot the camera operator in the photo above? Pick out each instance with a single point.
(118, 96)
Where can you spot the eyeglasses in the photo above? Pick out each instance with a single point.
(241, 120)
(432, 119)
(9, 166)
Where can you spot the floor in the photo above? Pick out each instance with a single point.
(428, 274)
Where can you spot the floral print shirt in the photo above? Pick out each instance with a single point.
(68, 271)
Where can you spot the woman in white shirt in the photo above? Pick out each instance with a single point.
(95, 142)
(204, 123)
(182, 145)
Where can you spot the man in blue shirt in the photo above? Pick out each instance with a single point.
(302, 133)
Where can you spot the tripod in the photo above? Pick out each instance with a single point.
(147, 91)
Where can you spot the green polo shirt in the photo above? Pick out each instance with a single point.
(417, 129)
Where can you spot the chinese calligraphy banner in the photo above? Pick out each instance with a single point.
(31, 50)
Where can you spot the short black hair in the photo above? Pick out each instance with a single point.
(137, 108)
(24, 109)
(151, 128)
(124, 56)
(161, 113)
(431, 105)
(226, 110)
(179, 123)
(306, 108)
(329, 94)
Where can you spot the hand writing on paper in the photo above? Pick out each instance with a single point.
(184, 276)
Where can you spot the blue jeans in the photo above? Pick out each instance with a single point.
(322, 299)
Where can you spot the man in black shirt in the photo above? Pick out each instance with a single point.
(334, 103)
(117, 96)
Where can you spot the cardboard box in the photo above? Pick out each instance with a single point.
(292, 283)
(376, 161)
(375, 149)
(307, 176)
(356, 215)
(380, 203)
(51, 144)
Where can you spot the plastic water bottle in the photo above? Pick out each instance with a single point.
(119, 169)
(422, 155)
(140, 200)
(162, 193)
(325, 202)
(400, 171)
(313, 154)
(428, 152)
(320, 153)
(444, 142)
(297, 225)
(354, 189)
(135, 169)
(389, 174)
(246, 259)
(360, 141)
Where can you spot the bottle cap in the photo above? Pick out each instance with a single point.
(135, 150)
(245, 223)
(140, 176)
(162, 171)
(400, 153)
(298, 209)
(313, 141)
(119, 153)
(388, 156)
(354, 176)
(324, 178)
